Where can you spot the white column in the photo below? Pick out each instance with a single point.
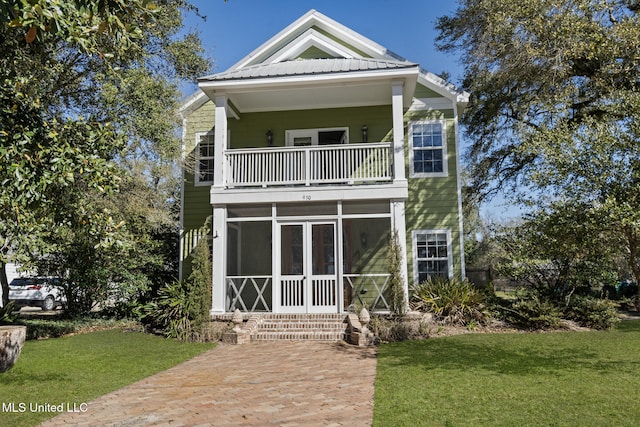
(397, 87)
(275, 261)
(339, 260)
(219, 171)
(219, 294)
(398, 224)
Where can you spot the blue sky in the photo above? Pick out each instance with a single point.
(235, 28)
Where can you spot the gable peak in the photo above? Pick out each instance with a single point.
(315, 34)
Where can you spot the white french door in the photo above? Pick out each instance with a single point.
(308, 276)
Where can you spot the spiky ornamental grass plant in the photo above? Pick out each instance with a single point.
(452, 300)
(182, 308)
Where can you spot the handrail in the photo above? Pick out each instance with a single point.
(339, 163)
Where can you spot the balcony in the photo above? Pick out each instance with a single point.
(349, 164)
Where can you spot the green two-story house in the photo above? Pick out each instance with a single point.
(308, 154)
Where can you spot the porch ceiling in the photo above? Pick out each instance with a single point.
(313, 84)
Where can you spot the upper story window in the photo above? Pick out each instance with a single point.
(328, 136)
(204, 157)
(431, 254)
(428, 154)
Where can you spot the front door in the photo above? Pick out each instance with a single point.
(308, 277)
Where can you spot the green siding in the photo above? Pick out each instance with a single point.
(196, 208)
(314, 53)
(424, 92)
(433, 202)
(250, 131)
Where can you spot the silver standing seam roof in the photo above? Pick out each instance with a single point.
(302, 67)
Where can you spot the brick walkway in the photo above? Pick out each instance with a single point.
(282, 383)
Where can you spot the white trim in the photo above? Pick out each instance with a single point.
(182, 181)
(308, 39)
(414, 250)
(397, 103)
(441, 87)
(445, 154)
(198, 182)
(340, 258)
(275, 260)
(249, 85)
(192, 103)
(221, 140)
(430, 104)
(291, 218)
(219, 262)
(459, 191)
(307, 21)
(300, 194)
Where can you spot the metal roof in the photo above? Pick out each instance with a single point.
(308, 67)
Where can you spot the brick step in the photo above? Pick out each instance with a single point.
(297, 336)
(302, 325)
(304, 317)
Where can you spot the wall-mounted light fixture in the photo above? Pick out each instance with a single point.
(364, 130)
(270, 138)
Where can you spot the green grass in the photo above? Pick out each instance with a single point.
(545, 379)
(76, 369)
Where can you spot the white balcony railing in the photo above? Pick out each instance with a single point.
(338, 164)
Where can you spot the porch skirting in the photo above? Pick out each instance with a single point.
(255, 294)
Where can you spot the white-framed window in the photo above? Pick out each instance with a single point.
(325, 136)
(428, 153)
(204, 158)
(431, 254)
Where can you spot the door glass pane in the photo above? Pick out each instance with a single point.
(332, 137)
(292, 250)
(323, 249)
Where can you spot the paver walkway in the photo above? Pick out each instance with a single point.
(283, 383)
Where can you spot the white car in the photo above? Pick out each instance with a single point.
(44, 292)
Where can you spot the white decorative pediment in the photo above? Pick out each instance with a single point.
(311, 38)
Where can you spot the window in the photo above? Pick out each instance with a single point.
(204, 157)
(428, 149)
(431, 254)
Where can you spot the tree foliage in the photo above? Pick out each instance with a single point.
(558, 252)
(543, 71)
(88, 92)
(554, 107)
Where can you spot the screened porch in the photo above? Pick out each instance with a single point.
(307, 258)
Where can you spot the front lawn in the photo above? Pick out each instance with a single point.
(75, 369)
(539, 379)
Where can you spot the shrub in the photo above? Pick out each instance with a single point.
(170, 311)
(531, 311)
(45, 328)
(593, 313)
(7, 314)
(394, 265)
(182, 307)
(454, 301)
(392, 329)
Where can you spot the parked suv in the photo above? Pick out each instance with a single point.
(44, 292)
